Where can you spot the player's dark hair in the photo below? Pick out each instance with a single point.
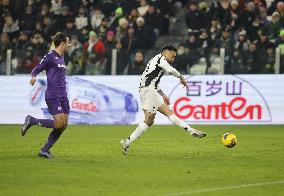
(170, 48)
(58, 38)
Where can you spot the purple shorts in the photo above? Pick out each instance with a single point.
(58, 105)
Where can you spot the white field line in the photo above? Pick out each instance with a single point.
(226, 188)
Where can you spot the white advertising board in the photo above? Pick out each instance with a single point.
(210, 99)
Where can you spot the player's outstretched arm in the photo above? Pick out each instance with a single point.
(165, 97)
(168, 68)
(32, 81)
(43, 65)
(183, 82)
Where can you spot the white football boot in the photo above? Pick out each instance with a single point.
(124, 147)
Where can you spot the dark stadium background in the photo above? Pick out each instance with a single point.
(249, 31)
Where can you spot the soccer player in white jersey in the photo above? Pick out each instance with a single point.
(153, 99)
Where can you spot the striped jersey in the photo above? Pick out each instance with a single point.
(154, 71)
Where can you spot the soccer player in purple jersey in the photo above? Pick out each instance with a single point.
(55, 95)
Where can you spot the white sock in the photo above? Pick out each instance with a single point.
(140, 129)
(177, 121)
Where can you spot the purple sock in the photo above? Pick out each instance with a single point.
(43, 122)
(52, 138)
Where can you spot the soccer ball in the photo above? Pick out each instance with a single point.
(229, 140)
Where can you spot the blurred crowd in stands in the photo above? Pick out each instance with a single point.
(248, 30)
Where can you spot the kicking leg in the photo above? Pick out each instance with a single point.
(60, 110)
(164, 109)
(140, 129)
(31, 121)
(60, 123)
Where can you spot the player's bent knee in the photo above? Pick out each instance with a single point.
(59, 126)
(149, 123)
(65, 127)
(150, 120)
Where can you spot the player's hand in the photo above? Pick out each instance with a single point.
(32, 81)
(183, 82)
(166, 100)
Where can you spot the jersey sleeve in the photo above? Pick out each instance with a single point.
(168, 68)
(43, 65)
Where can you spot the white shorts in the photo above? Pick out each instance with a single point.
(150, 98)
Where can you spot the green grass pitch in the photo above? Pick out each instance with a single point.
(164, 161)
